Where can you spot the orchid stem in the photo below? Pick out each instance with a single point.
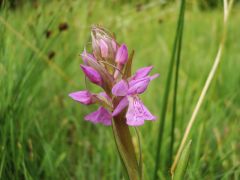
(140, 152)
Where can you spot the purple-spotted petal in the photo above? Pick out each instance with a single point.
(137, 112)
(120, 88)
(84, 97)
(121, 105)
(92, 74)
(138, 86)
(122, 54)
(142, 72)
(102, 115)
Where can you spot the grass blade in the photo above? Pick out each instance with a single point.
(178, 56)
(166, 93)
(227, 9)
(183, 162)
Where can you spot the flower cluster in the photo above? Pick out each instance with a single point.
(109, 66)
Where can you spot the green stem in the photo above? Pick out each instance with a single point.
(140, 153)
(125, 147)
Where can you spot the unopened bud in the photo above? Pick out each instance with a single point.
(92, 74)
(122, 54)
(103, 44)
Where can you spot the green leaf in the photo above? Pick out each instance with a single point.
(183, 163)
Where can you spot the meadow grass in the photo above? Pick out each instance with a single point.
(42, 131)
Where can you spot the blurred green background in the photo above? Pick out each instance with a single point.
(42, 131)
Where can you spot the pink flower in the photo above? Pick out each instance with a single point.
(108, 66)
(137, 112)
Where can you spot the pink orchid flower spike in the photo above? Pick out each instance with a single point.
(106, 66)
(137, 113)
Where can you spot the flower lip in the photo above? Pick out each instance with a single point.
(137, 113)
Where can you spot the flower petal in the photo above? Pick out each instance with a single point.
(114, 45)
(84, 97)
(154, 76)
(92, 74)
(120, 88)
(122, 54)
(102, 115)
(138, 86)
(121, 105)
(104, 48)
(137, 112)
(87, 56)
(142, 72)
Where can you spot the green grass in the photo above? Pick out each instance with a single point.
(42, 131)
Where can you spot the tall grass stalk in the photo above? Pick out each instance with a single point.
(167, 89)
(178, 56)
(227, 8)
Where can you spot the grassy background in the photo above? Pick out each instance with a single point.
(42, 131)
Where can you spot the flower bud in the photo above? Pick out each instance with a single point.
(122, 54)
(103, 48)
(92, 75)
(103, 44)
(87, 56)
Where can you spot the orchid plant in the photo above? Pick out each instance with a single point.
(109, 66)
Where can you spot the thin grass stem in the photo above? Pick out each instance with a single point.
(166, 96)
(227, 9)
(178, 56)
